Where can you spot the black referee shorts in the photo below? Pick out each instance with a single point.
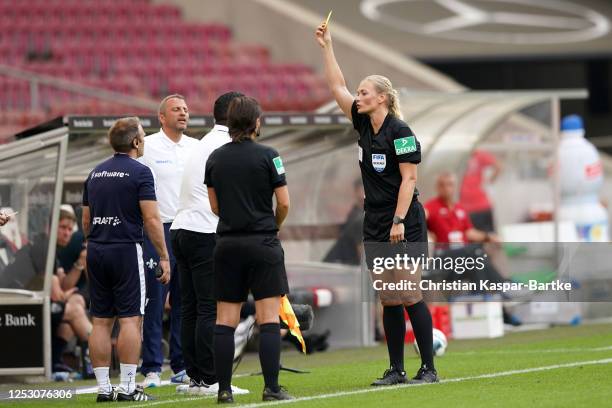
(402, 266)
(254, 263)
(377, 224)
(377, 228)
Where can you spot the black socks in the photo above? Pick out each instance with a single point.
(269, 354)
(420, 318)
(395, 330)
(224, 355)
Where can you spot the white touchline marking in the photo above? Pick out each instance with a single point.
(450, 380)
(557, 350)
(368, 390)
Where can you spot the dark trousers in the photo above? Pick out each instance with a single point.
(152, 330)
(194, 257)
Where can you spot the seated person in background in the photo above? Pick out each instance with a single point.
(447, 220)
(4, 218)
(68, 317)
(449, 223)
(347, 249)
(71, 254)
(66, 289)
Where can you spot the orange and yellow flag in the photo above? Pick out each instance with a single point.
(288, 317)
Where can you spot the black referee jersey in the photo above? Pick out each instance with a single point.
(379, 158)
(244, 175)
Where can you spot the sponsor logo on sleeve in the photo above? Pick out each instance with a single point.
(278, 165)
(405, 145)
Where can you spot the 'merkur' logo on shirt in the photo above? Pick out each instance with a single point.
(113, 221)
(105, 173)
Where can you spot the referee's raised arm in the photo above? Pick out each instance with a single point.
(333, 74)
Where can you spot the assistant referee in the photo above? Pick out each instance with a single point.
(242, 176)
(388, 158)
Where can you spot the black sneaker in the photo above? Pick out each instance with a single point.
(225, 397)
(391, 377)
(269, 395)
(107, 397)
(137, 395)
(424, 375)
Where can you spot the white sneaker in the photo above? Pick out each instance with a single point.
(180, 378)
(213, 389)
(193, 388)
(206, 389)
(239, 391)
(242, 334)
(152, 379)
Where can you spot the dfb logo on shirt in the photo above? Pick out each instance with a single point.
(379, 162)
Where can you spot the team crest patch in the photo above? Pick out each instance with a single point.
(379, 162)
(278, 164)
(405, 145)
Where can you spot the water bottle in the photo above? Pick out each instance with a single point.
(581, 179)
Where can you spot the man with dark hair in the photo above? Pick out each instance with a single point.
(193, 241)
(166, 154)
(118, 201)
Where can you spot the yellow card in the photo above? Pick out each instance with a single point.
(328, 17)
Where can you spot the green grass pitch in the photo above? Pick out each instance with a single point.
(559, 367)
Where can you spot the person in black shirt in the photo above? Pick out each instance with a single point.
(348, 248)
(119, 202)
(242, 176)
(388, 156)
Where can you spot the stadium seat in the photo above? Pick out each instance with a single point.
(112, 45)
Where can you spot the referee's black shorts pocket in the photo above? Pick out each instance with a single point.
(273, 253)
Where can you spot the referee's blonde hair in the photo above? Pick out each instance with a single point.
(383, 85)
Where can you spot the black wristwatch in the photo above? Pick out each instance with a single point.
(397, 220)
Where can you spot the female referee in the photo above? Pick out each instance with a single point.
(388, 158)
(242, 176)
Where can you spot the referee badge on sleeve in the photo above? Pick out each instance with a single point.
(278, 165)
(405, 145)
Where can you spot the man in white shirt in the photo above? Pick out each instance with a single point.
(165, 154)
(193, 241)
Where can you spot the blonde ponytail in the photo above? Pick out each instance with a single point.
(383, 85)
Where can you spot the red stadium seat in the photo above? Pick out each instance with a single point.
(138, 48)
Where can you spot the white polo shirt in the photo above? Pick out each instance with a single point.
(167, 161)
(194, 213)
